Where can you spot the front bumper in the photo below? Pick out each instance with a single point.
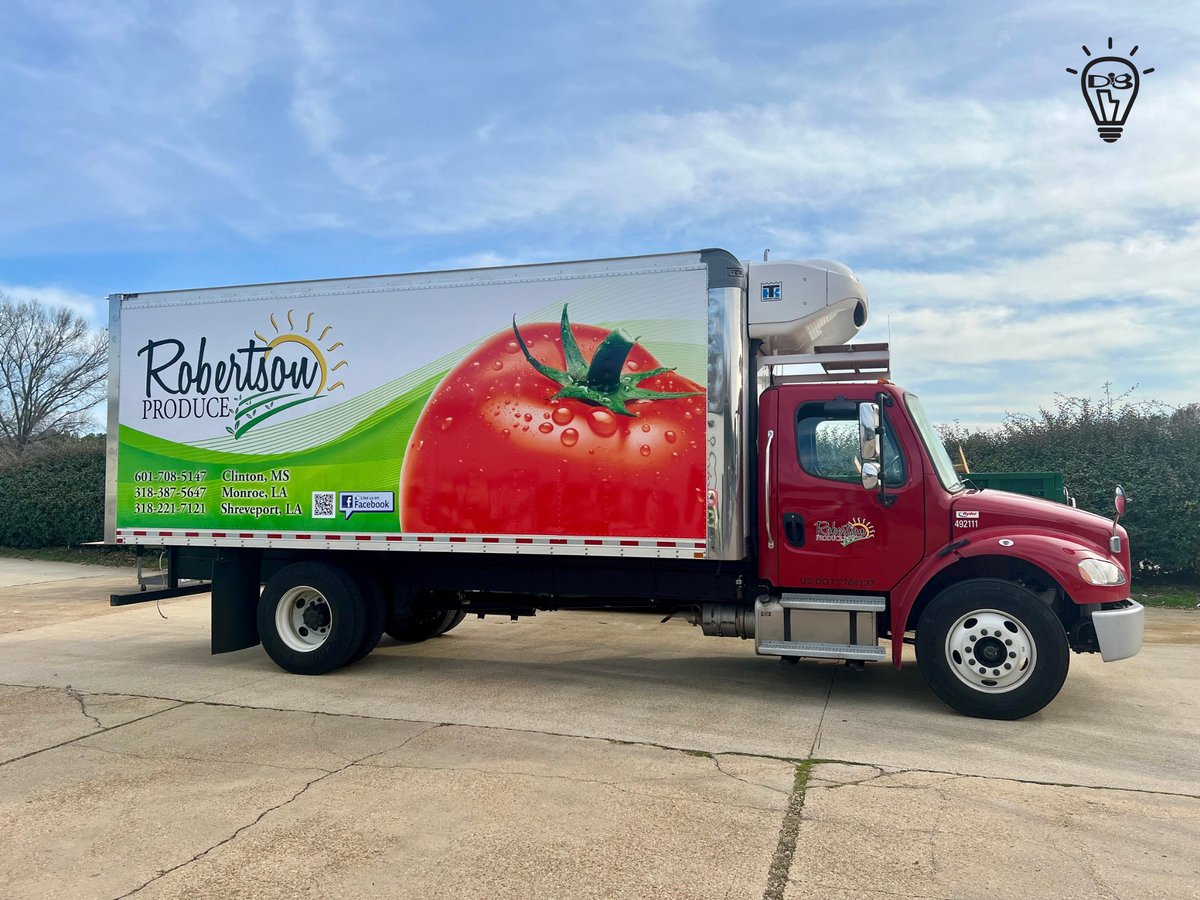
(1119, 630)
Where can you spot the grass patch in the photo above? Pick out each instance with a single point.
(785, 850)
(118, 557)
(1168, 596)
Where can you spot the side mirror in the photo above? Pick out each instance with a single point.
(868, 435)
(870, 475)
(1119, 501)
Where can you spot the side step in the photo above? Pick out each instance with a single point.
(819, 626)
(845, 602)
(821, 651)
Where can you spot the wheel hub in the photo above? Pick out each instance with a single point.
(316, 615)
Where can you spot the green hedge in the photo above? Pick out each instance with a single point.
(55, 499)
(1150, 451)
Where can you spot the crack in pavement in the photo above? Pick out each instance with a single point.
(84, 737)
(78, 697)
(789, 833)
(717, 761)
(266, 812)
(222, 760)
(955, 776)
(816, 741)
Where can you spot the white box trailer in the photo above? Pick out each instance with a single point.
(401, 412)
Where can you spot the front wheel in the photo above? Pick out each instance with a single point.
(990, 648)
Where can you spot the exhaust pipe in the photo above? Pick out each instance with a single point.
(724, 619)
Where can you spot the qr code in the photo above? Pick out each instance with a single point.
(323, 505)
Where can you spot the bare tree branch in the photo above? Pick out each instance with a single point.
(53, 369)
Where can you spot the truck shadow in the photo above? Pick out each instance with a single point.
(627, 678)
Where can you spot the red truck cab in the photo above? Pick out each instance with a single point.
(866, 531)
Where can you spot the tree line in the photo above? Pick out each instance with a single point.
(53, 369)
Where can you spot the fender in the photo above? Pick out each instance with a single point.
(1049, 550)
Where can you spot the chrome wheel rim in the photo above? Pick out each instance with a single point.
(991, 651)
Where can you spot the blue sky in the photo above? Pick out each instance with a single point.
(939, 149)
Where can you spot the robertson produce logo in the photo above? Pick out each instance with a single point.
(853, 531)
(250, 384)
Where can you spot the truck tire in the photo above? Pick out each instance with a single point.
(425, 624)
(375, 615)
(991, 649)
(311, 618)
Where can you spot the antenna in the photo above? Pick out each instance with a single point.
(766, 253)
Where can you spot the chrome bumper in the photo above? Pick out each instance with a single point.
(1119, 631)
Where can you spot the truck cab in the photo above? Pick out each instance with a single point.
(866, 532)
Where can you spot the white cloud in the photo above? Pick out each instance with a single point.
(55, 296)
(1064, 321)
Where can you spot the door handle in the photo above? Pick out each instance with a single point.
(767, 489)
(793, 529)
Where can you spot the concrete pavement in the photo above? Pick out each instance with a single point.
(572, 755)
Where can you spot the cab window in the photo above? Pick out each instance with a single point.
(827, 443)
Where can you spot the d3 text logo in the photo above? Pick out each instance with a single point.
(1110, 85)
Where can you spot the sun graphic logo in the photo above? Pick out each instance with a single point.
(858, 530)
(294, 367)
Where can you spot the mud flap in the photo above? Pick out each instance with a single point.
(235, 588)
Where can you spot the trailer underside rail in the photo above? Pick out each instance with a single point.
(165, 581)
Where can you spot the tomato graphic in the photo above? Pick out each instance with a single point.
(555, 428)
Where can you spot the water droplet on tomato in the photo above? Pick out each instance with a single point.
(631, 366)
(545, 428)
(475, 365)
(562, 415)
(646, 428)
(447, 422)
(644, 449)
(545, 415)
(569, 437)
(524, 427)
(512, 347)
(505, 432)
(670, 437)
(528, 417)
(675, 454)
(497, 365)
(602, 422)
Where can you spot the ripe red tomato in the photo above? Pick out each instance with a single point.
(587, 436)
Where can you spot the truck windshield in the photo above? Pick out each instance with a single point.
(933, 445)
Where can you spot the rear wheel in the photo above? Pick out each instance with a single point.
(992, 649)
(311, 618)
(374, 615)
(425, 624)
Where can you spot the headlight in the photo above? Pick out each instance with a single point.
(1101, 571)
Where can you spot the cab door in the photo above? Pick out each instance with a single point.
(822, 529)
